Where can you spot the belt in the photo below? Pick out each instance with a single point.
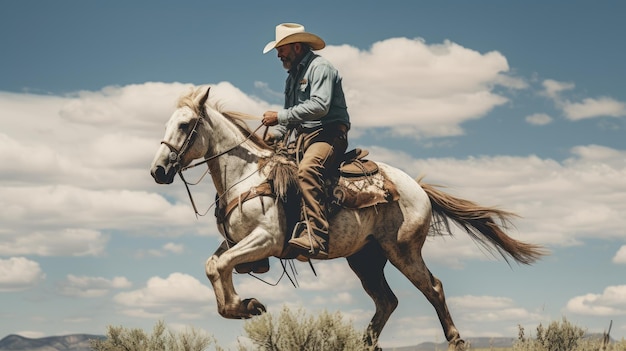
(335, 125)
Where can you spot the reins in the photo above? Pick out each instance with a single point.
(223, 152)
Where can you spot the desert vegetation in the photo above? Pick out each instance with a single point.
(565, 336)
(296, 330)
(119, 338)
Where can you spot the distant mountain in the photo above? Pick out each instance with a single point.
(477, 343)
(76, 342)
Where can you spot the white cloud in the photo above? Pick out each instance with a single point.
(587, 108)
(83, 286)
(553, 88)
(539, 119)
(63, 242)
(403, 331)
(480, 302)
(428, 88)
(590, 108)
(174, 248)
(611, 302)
(65, 205)
(19, 273)
(330, 275)
(179, 295)
(489, 309)
(620, 256)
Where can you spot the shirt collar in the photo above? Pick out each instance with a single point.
(303, 63)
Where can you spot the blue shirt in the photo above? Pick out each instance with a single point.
(313, 95)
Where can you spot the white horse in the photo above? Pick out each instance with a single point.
(367, 238)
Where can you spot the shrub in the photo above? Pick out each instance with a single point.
(299, 331)
(563, 336)
(123, 339)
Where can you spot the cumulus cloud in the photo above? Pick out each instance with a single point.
(620, 256)
(553, 88)
(587, 108)
(66, 205)
(539, 119)
(590, 108)
(174, 248)
(179, 295)
(19, 273)
(489, 308)
(611, 302)
(428, 88)
(83, 286)
(62, 242)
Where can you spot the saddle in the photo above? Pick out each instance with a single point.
(361, 183)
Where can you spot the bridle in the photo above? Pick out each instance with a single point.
(176, 155)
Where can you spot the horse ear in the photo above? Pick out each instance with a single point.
(203, 98)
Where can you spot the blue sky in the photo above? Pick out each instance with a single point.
(520, 105)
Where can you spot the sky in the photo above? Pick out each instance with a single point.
(520, 105)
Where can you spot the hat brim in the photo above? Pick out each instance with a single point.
(313, 40)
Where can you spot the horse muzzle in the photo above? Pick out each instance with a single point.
(164, 174)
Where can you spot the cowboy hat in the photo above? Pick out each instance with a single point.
(288, 33)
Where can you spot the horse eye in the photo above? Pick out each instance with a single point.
(183, 126)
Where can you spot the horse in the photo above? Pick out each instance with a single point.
(237, 159)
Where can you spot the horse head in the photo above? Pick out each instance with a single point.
(185, 138)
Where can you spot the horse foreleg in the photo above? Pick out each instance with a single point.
(219, 270)
(369, 264)
(215, 278)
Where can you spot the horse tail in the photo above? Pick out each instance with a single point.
(478, 221)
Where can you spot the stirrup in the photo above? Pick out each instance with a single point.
(296, 230)
(320, 240)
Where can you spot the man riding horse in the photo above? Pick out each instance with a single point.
(315, 110)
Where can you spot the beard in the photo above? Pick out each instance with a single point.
(289, 60)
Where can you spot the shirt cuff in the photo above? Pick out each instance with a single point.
(282, 118)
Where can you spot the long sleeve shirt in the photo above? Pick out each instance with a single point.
(313, 95)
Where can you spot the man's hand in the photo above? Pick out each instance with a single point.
(270, 118)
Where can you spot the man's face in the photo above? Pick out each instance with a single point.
(287, 54)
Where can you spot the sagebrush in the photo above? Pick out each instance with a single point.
(300, 331)
(564, 336)
(125, 339)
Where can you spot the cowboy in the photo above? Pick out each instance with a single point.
(315, 108)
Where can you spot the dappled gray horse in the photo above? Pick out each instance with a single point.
(240, 162)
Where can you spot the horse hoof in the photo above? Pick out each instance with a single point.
(456, 345)
(245, 309)
(253, 307)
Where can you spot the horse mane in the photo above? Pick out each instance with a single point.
(190, 100)
(282, 171)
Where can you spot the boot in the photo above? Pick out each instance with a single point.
(259, 267)
(313, 246)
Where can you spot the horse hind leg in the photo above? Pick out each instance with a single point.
(408, 259)
(369, 264)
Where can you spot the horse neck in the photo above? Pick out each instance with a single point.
(236, 170)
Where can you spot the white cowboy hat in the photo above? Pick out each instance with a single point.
(288, 33)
